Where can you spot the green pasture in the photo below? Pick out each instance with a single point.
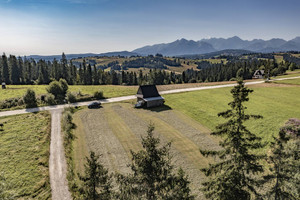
(275, 104)
(24, 153)
(108, 90)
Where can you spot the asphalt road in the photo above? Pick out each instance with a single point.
(123, 98)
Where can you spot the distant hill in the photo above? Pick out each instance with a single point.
(178, 47)
(71, 56)
(189, 47)
(226, 52)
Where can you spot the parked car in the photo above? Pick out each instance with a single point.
(94, 105)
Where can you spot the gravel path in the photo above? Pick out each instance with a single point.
(57, 160)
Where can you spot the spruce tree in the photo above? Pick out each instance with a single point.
(96, 180)
(153, 176)
(5, 70)
(14, 70)
(284, 162)
(233, 176)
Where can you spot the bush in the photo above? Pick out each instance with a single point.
(98, 95)
(71, 97)
(30, 99)
(58, 89)
(50, 99)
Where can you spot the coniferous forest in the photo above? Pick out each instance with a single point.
(21, 70)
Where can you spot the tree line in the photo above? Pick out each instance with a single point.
(19, 70)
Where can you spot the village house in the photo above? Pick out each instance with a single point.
(258, 74)
(148, 96)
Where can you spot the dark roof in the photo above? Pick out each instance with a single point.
(148, 91)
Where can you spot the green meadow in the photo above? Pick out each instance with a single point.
(275, 104)
(24, 153)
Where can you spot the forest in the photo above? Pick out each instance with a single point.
(21, 70)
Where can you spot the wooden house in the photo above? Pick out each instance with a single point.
(148, 96)
(3, 85)
(258, 74)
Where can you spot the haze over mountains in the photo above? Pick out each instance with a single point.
(188, 47)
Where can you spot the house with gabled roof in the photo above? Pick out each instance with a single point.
(258, 74)
(148, 96)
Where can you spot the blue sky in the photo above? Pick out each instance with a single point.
(49, 27)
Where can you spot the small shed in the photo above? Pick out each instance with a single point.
(147, 95)
(258, 74)
(3, 85)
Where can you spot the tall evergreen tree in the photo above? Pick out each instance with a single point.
(96, 180)
(14, 70)
(65, 69)
(5, 70)
(232, 177)
(284, 162)
(153, 176)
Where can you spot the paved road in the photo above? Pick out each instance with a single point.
(117, 99)
(57, 160)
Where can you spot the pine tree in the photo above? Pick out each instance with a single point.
(153, 176)
(5, 70)
(285, 163)
(96, 180)
(232, 177)
(14, 70)
(65, 69)
(96, 78)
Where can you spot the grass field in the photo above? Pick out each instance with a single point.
(186, 121)
(108, 90)
(276, 104)
(24, 153)
(116, 129)
(291, 81)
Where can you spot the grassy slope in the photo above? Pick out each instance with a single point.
(275, 104)
(24, 153)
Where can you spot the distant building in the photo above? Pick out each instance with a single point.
(3, 85)
(148, 96)
(258, 74)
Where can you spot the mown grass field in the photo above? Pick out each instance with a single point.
(24, 155)
(186, 121)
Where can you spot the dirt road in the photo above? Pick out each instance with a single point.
(57, 160)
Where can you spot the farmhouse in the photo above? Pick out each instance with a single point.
(147, 95)
(258, 74)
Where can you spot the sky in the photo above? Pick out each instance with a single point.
(50, 27)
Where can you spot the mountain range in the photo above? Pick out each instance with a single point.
(189, 47)
(233, 46)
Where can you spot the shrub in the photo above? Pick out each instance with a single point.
(58, 89)
(71, 97)
(50, 99)
(98, 95)
(30, 99)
